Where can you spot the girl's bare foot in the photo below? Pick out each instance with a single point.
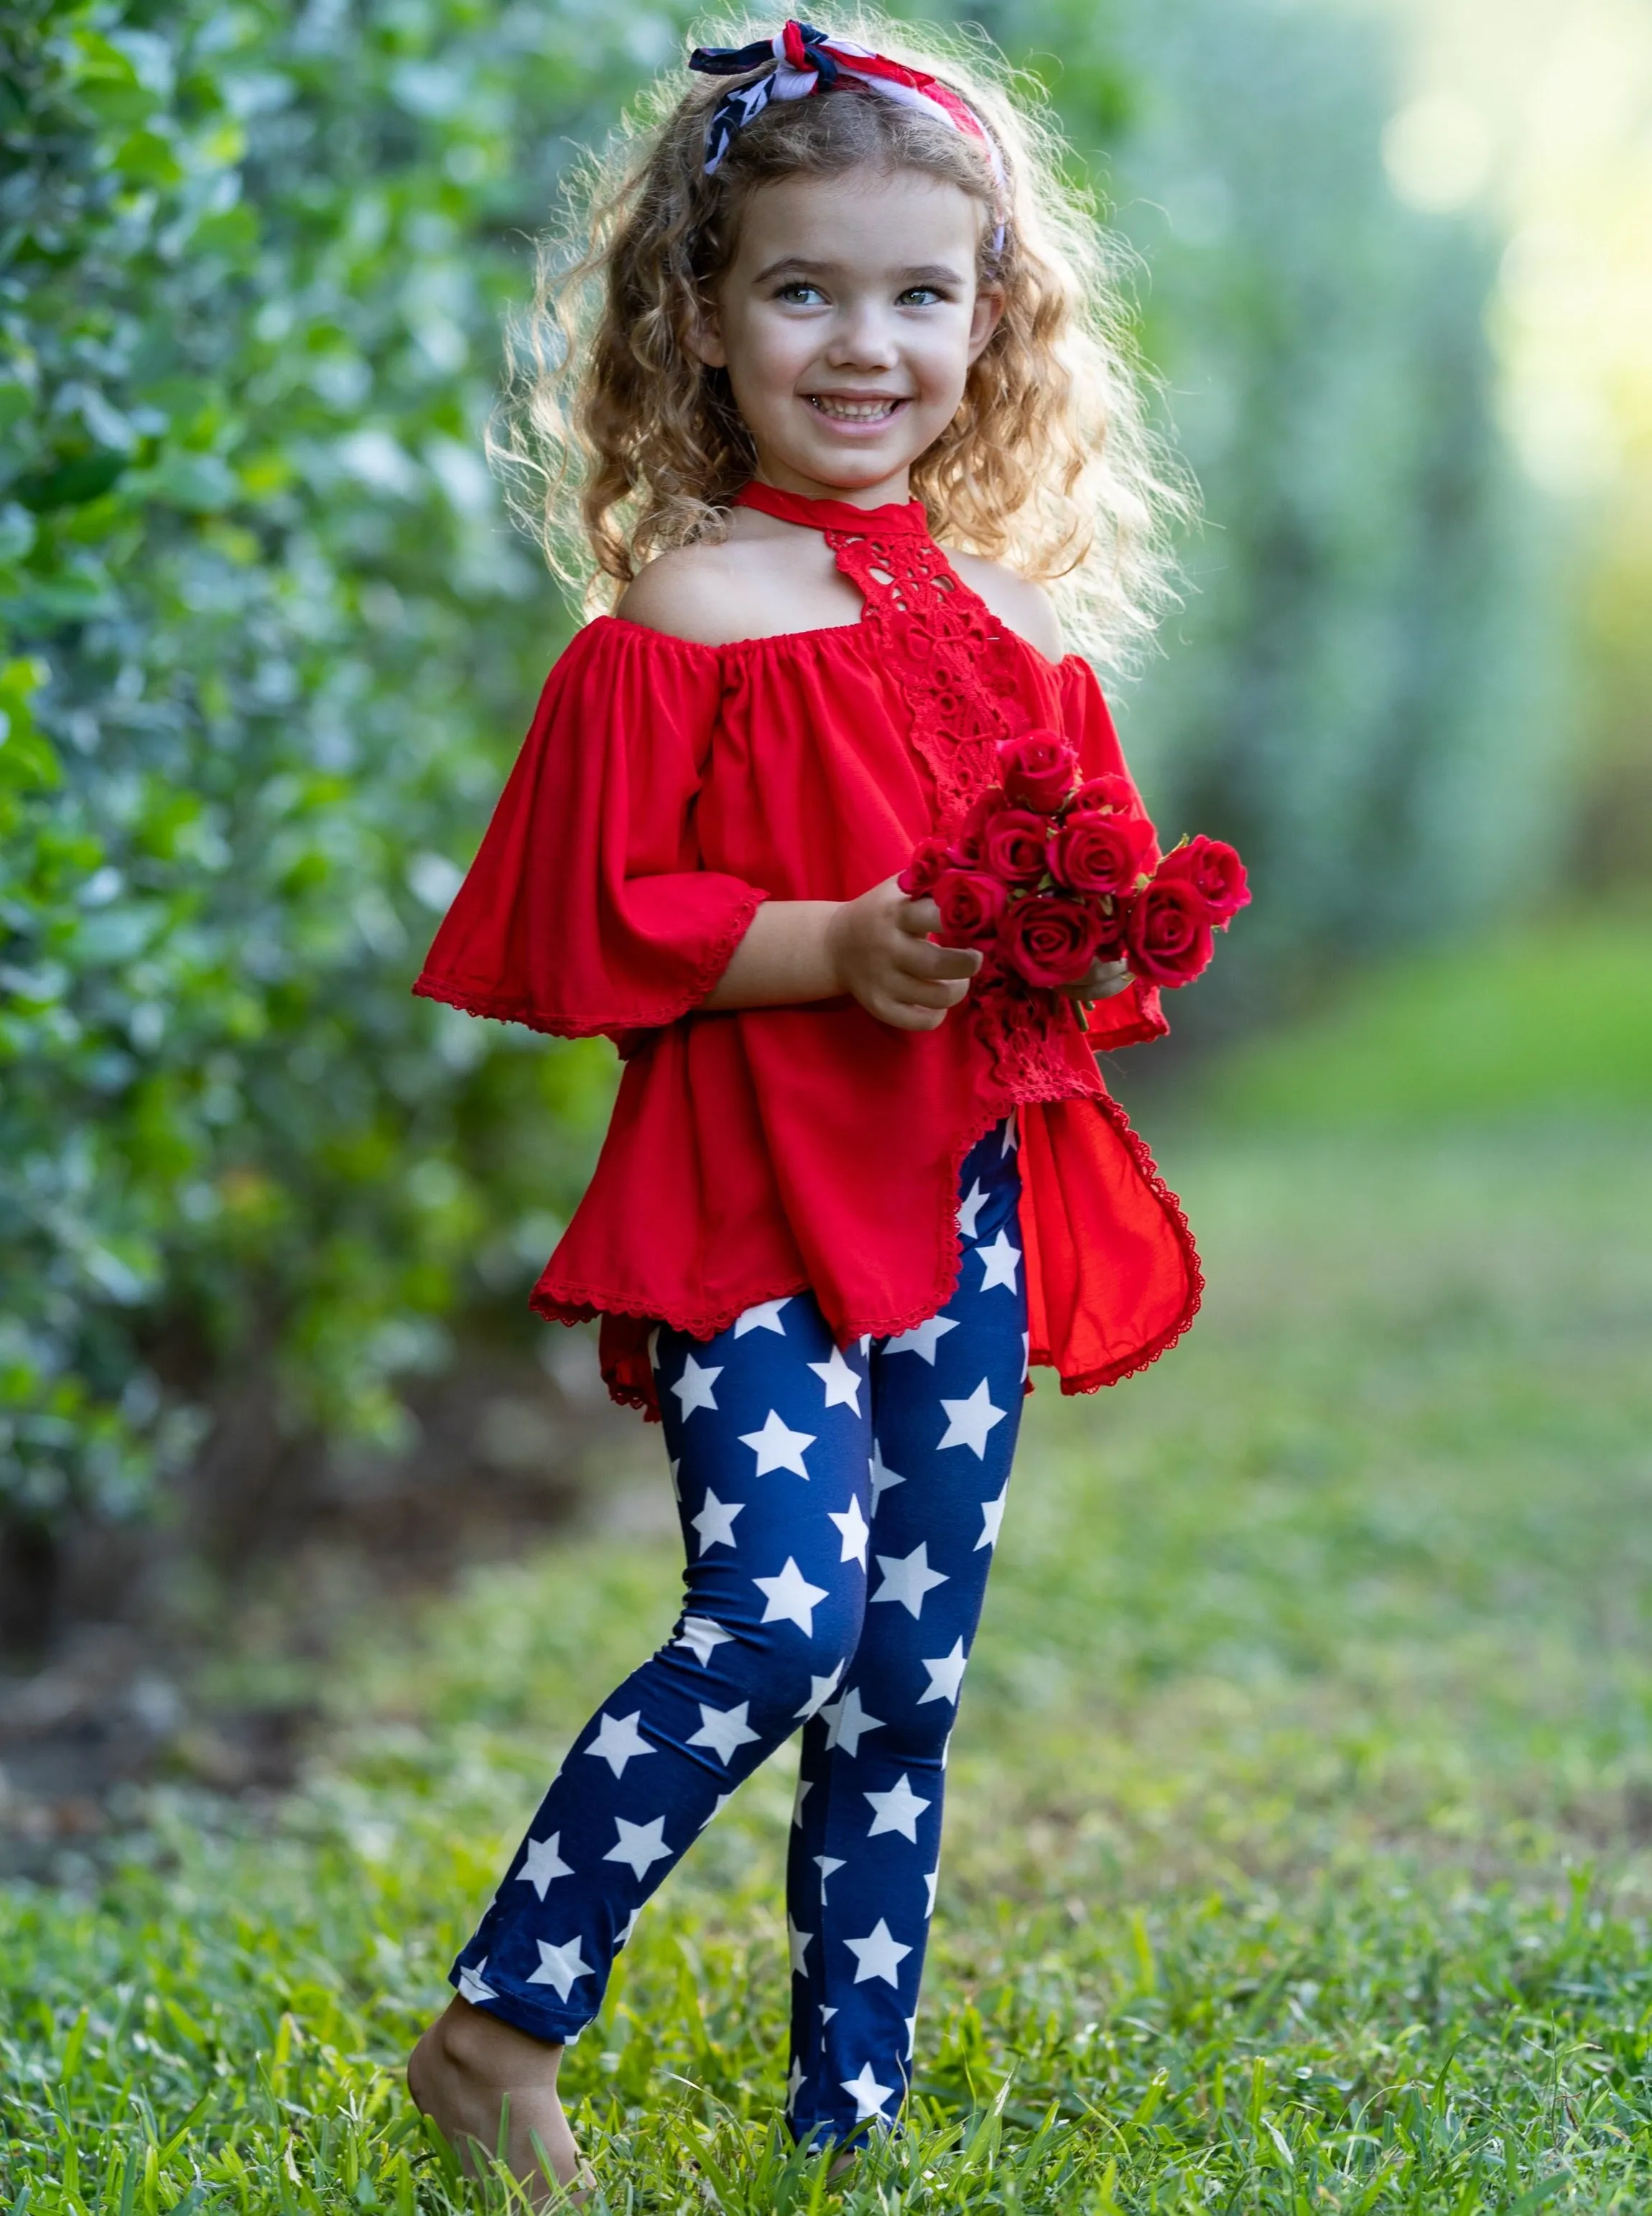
(461, 2074)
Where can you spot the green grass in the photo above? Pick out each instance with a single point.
(1299, 1851)
(1556, 1020)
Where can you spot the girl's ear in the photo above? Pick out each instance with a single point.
(989, 313)
(704, 338)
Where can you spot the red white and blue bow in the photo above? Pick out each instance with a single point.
(807, 60)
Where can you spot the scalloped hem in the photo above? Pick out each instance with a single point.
(505, 1008)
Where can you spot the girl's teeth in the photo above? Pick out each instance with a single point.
(854, 411)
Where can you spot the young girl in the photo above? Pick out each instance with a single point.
(846, 1202)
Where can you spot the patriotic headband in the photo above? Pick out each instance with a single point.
(807, 60)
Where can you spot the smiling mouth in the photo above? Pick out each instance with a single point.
(854, 411)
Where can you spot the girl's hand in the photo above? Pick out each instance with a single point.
(1099, 983)
(879, 947)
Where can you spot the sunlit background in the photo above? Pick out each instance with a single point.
(1301, 1854)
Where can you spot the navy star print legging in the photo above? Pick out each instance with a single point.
(839, 1511)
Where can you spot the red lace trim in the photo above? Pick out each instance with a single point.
(513, 1008)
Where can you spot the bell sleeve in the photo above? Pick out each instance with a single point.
(1134, 1015)
(587, 910)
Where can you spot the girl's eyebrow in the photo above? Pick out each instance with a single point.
(927, 273)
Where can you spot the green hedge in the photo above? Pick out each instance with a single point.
(267, 646)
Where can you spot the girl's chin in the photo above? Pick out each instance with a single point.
(849, 464)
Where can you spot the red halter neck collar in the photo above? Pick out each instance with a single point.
(898, 519)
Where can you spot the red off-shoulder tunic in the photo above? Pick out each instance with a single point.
(663, 791)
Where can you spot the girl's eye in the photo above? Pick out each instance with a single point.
(919, 296)
(795, 292)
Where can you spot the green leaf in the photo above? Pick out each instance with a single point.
(70, 484)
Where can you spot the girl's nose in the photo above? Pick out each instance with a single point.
(863, 339)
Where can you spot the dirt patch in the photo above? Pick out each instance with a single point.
(190, 1649)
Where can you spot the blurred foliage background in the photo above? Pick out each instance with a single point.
(268, 645)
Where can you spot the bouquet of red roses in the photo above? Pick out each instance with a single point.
(1048, 874)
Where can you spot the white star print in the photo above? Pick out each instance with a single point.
(869, 2095)
(921, 1340)
(797, 1944)
(969, 1421)
(946, 1675)
(826, 1864)
(618, 1741)
(790, 1597)
(970, 1208)
(897, 1810)
(991, 1518)
(879, 1954)
(882, 1476)
(700, 1635)
(765, 1316)
(907, 1578)
(805, 1787)
(471, 1987)
(1026, 1355)
(1011, 1138)
(624, 1938)
(848, 1721)
(715, 1521)
(842, 1384)
(777, 1446)
(912, 2036)
(931, 1878)
(693, 1388)
(826, 2013)
(717, 1808)
(639, 1845)
(999, 1262)
(723, 1730)
(855, 1531)
(820, 1689)
(866, 1345)
(794, 2083)
(559, 1965)
(654, 1348)
(543, 1863)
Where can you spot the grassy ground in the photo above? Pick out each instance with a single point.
(1300, 1839)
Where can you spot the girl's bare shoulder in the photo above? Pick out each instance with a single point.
(764, 580)
(1019, 605)
(689, 594)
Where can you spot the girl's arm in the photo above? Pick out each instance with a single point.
(876, 947)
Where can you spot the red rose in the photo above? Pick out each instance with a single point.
(1093, 853)
(1015, 846)
(1167, 933)
(929, 859)
(1051, 938)
(972, 907)
(1103, 793)
(965, 849)
(1214, 870)
(1038, 771)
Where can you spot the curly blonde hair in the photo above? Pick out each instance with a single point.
(616, 442)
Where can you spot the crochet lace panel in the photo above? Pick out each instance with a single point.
(951, 655)
(956, 667)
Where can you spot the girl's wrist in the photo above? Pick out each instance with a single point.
(833, 946)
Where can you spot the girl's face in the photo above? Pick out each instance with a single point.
(847, 323)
